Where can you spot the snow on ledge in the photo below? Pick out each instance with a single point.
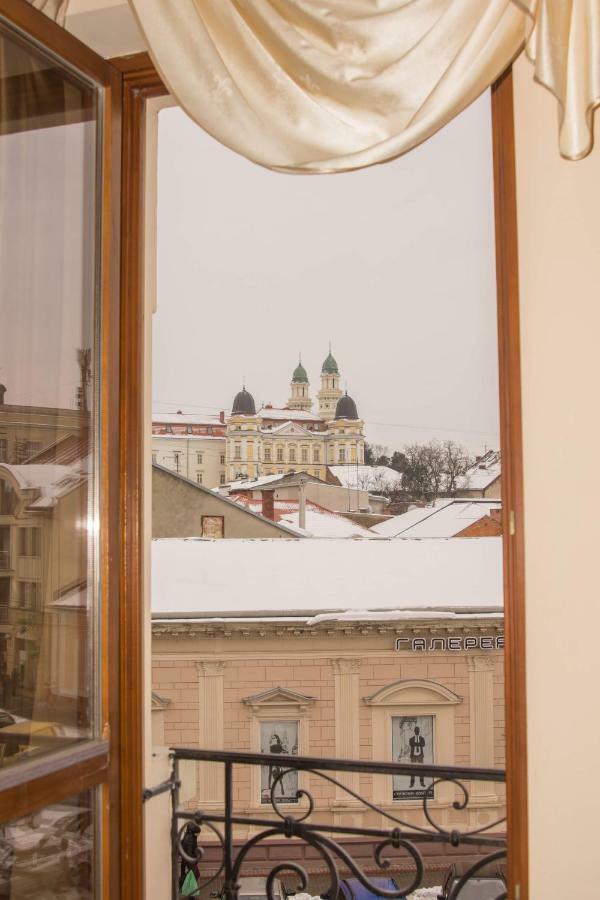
(270, 576)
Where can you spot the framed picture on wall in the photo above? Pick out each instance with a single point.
(280, 738)
(412, 743)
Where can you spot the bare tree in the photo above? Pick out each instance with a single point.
(456, 463)
(377, 455)
(434, 468)
(424, 476)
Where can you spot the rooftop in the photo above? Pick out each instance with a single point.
(281, 577)
(485, 471)
(159, 418)
(319, 521)
(444, 519)
(287, 415)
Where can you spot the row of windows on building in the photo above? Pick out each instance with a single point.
(293, 456)
(279, 454)
(177, 458)
(189, 429)
(29, 541)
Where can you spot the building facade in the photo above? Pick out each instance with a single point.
(182, 508)
(192, 446)
(281, 440)
(27, 430)
(348, 688)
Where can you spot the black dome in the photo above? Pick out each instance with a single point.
(346, 408)
(243, 404)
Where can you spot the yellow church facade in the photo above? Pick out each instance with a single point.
(281, 440)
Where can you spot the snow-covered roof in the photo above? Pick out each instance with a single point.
(483, 473)
(279, 576)
(159, 418)
(443, 519)
(288, 415)
(319, 521)
(251, 484)
(366, 478)
(50, 480)
(76, 599)
(189, 437)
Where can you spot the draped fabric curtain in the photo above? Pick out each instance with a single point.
(564, 46)
(315, 86)
(332, 85)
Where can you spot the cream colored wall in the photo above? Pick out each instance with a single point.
(107, 26)
(559, 248)
(211, 450)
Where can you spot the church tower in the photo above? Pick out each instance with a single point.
(300, 395)
(330, 391)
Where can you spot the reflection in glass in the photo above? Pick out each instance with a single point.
(50, 853)
(48, 136)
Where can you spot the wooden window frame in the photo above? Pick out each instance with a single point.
(107, 763)
(142, 82)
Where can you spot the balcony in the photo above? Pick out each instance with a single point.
(397, 841)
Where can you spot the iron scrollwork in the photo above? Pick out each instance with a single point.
(402, 836)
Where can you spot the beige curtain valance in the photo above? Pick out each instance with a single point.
(331, 85)
(328, 85)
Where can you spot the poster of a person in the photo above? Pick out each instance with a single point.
(278, 738)
(413, 743)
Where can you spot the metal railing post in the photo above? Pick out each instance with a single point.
(174, 830)
(230, 890)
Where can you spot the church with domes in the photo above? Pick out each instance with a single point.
(294, 438)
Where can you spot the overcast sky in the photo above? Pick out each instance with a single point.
(394, 265)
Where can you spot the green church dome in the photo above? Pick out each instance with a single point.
(300, 376)
(330, 367)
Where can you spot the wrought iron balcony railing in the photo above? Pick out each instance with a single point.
(402, 840)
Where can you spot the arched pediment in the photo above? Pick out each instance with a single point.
(413, 692)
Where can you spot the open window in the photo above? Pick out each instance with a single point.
(293, 598)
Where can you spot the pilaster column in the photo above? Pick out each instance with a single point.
(211, 728)
(347, 710)
(481, 711)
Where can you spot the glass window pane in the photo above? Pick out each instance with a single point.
(48, 228)
(51, 853)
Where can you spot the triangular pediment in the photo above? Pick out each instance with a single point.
(291, 429)
(278, 697)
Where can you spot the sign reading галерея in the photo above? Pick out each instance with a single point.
(456, 644)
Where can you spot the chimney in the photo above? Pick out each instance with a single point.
(2, 393)
(222, 417)
(268, 504)
(302, 501)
